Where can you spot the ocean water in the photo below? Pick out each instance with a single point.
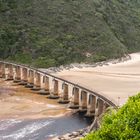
(40, 129)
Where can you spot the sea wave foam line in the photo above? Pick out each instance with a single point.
(27, 130)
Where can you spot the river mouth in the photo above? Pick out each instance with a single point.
(27, 115)
(39, 129)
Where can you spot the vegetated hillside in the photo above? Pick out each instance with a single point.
(121, 125)
(48, 33)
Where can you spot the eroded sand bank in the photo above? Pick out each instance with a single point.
(115, 81)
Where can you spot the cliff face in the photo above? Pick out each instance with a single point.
(51, 32)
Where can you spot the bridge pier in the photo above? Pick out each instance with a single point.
(24, 76)
(74, 102)
(17, 74)
(83, 101)
(47, 84)
(106, 106)
(2, 70)
(91, 108)
(44, 85)
(99, 107)
(54, 90)
(9, 72)
(64, 98)
(37, 81)
(30, 80)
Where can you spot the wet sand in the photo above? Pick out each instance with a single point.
(19, 102)
(25, 115)
(116, 82)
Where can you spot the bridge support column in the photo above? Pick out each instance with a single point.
(92, 100)
(17, 74)
(30, 83)
(47, 84)
(24, 76)
(66, 91)
(74, 102)
(106, 106)
(44, 90)
(100, 107)
(14, 72)
(54, 90)
(2, 70)
(37, 81)
(83, 101)
(9, 72)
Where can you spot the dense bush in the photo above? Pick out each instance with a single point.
(121, 125)
(54, 32)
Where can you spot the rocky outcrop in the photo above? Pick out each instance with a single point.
(77, 135)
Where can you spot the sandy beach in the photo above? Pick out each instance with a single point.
(116, 82)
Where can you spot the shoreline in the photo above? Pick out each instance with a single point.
(53, 70)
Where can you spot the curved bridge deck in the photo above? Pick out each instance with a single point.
(116, 82)
(89, 90)
(76, 96)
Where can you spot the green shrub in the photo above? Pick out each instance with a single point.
(121, 125)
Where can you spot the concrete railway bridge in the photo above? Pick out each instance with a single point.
(76, 96)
